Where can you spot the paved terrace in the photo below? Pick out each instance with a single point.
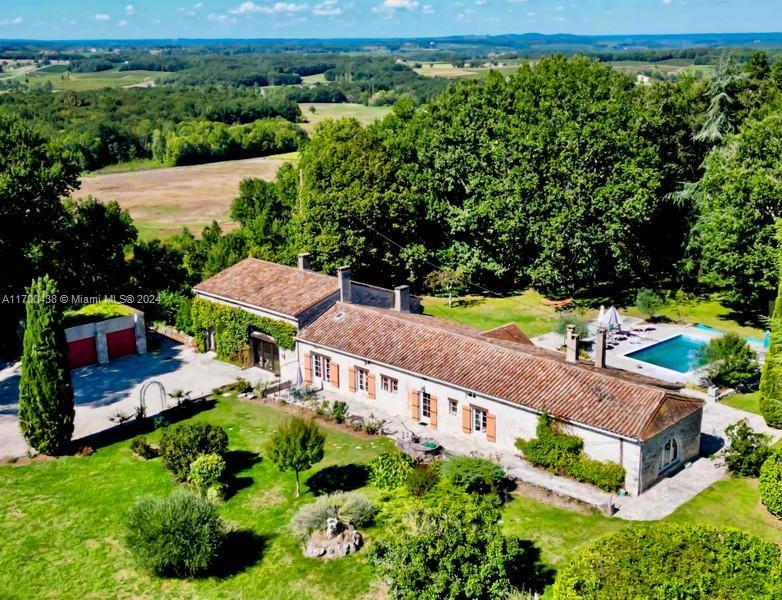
(657, 503)
(102, 391)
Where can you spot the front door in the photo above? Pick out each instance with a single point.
(266, 355)
(426, 408)
(321, 370)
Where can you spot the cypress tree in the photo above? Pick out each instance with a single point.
(771, 378)
(45, 392)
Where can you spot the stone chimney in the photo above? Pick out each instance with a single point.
(571, 344)
(345, 290)
(304, 261)
(600, 348)
(402, 298)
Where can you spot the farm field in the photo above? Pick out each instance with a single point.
(163, 201)
(323, 111)
(71, 511)
(95, 81)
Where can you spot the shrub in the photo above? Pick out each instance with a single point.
(177, 536)
(730, 361)
(564, 455)
(578, 321)
(339, 411)
(141, 448)
(422, 478)
(373, 426)
(456, 550)
(474, 475)
(671, 561)
(648, 302)
(181, 444)
(771, 483)
(389, 470)
(353, 508)
(608, 476)
(206, 472)
(747, 450)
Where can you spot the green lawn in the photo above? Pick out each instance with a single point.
(527, 310)
(749, 402)
(65, 518)
(80, 82)
(535, 316)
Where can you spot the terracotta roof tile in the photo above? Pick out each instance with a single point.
(268, 285)
(526, 375)
(508, 333)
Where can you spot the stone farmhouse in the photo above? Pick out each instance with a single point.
(366, 344)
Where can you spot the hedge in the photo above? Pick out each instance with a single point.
(564, 455)
(771, 378)
(673, 561)
(232, 328)
(771, 483)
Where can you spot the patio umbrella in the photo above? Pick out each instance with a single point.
(611, 319)
(601, 315)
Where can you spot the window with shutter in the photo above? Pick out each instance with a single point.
(466, 419)
(307, 368)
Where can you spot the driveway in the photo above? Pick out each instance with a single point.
(103, 391)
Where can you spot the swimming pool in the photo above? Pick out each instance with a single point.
(680, 353)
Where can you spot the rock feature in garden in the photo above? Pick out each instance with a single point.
(337, 540)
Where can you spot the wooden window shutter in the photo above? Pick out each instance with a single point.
(414, 405)
(371, 391)
(466, 416)
(352, 379)
(491, 427)
(307, 368)
(334, 374)
(433, 411)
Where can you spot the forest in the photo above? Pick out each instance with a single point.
(565, 176)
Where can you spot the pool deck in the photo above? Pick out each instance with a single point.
(616, 355)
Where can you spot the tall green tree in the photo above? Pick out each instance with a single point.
(46, 409)
(771, 377)
(733, 244)
(35, 175)
(296, 446)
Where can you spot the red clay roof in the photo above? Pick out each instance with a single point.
(268, 285)
(508, 333)
(533, 377)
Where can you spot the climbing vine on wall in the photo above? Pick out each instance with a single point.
(232, 327)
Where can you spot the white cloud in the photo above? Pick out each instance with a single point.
(327, 8)
(667, 1)
(186, 11)
(222, 19)
(427, 9)
(277, 8)
(198, 5)
(12, 21)
(102, 17)
(129, 9)
(122, 23)
(406, 4)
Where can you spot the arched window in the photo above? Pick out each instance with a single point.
(670, 454)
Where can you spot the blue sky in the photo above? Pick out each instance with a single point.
(69, 19)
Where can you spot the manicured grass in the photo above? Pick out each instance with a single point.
(65, 518)
(709, 312)
(98, 311)
(527, 310)
(364, 114)
(749, 402)
(732, 502)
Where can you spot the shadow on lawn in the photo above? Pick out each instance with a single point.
(338, 478)
(237, 461)
(242, 550)
(126, 431)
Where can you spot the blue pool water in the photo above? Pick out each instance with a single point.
(751, 340)
(680, 353)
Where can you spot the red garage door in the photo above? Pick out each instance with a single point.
(82, 352)
(121, 343)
